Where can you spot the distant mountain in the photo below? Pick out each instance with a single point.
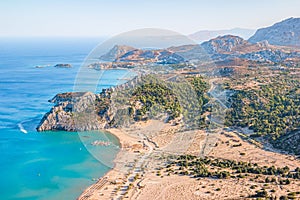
(206, 35)
(222, 50)
(284, 33)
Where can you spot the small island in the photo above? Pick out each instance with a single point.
(63, 65)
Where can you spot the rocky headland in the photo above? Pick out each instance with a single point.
(114, 107)
(75, 111)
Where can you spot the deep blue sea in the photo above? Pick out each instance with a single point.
(46, 165)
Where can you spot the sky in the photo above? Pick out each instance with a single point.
(96, 18)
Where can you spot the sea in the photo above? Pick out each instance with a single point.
(52, 164)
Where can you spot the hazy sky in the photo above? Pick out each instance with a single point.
(110, 17)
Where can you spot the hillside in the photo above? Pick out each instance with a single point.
(266, 101)
(115, 52)
(284, 33)
(223, 44)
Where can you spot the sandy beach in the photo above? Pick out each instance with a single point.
(133, 147)
(144, 144)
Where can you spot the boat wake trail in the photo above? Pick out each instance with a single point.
(22, 129)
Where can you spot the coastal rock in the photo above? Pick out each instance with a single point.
(84, 111)
(76, 111)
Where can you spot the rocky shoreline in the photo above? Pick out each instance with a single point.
(85, 111)
(76, 111)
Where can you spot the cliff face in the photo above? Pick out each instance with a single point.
(84, 111)
(285, 33)
(77, 112)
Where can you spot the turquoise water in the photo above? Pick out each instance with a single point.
(47, 165)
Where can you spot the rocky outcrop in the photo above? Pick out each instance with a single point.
(221, 44)
(284, 33)
(77, 111)
(83, 111)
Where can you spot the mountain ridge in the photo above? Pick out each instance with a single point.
(205, 35)
(222, 48)
(284, 33)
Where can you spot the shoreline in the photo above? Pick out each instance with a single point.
(86, 193)
(113, 175)
(134, 175)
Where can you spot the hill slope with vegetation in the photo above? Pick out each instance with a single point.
(271, 110)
